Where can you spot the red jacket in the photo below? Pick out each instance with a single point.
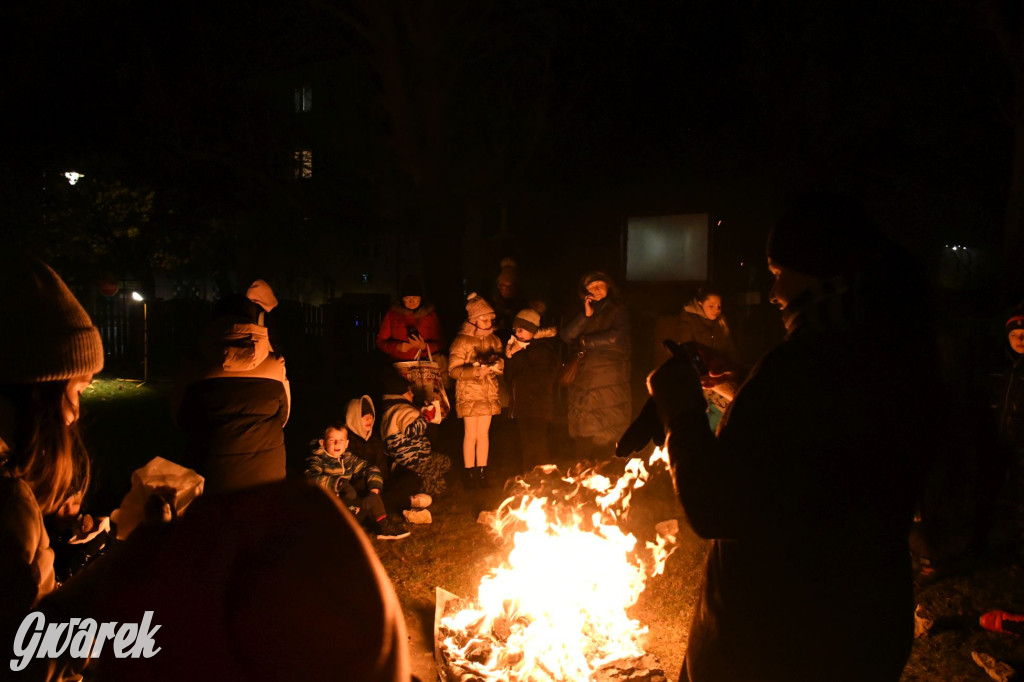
(394, 330)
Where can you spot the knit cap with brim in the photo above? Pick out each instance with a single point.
(528, 319)
(477, 307)
(47, 335)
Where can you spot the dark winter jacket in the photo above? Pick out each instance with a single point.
(1008, 399)
(694, 325)
(530, 373)
(600, 405)
(394, 330)
(232, 399)
(808, 496)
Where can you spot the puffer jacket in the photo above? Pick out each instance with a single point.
(600, 404)
(474, 396)
(232, 399)
(394, 330)
(331, 472)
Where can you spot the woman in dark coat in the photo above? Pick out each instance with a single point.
(600, 406)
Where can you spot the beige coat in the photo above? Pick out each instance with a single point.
(474, 396)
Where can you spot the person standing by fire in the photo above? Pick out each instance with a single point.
(599, 397)
(808, 490)
(476, 362)
(702, 321)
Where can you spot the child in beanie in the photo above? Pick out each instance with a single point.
(475, 363)
(333, 466)
(533, 358)
(403, 427)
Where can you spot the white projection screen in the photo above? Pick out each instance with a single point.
(667, 248)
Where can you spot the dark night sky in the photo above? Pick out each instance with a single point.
(733, 107)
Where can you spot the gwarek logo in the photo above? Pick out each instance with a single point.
(81, 638)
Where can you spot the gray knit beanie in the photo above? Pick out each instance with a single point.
(47, 334)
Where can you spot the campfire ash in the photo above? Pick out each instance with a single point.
(556, 609)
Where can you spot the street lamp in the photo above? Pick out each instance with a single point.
(136, 296)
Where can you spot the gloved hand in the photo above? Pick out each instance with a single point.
(676, 389)
(428, 413)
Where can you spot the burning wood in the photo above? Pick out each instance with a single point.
(556, 609)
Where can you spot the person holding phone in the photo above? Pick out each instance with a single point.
(600, 405)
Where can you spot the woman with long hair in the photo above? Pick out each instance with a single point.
(49, 352)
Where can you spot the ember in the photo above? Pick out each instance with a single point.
(556, 609)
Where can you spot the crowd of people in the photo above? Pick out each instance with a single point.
(800, 474)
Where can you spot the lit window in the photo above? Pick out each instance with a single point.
(304, 164)
(303, 99)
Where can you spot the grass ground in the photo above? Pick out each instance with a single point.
(126, 423)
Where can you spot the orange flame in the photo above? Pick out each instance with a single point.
(556, 608)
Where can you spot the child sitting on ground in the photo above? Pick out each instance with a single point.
(364, 442)
(403, 428)
(353, 480)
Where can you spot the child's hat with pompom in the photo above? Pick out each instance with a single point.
(477, 307)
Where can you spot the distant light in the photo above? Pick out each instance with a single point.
(719, 223)
(741, 264)
(73, 177)
(136, 296)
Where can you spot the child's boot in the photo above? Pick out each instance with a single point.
(472, 481)
(481, 475)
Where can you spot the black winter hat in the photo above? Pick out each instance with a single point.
(411, 286)
(1015, 321)
(237, 305)
(825, 235)
(394, 383)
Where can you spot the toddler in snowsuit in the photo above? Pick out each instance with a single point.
(353, 480)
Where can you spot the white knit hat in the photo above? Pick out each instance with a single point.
(47, 335)
(477, 307)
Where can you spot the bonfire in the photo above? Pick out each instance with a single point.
(557, 607)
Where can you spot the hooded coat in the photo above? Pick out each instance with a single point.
(394, 330)
(474, 396)
(232, 399)
(600, 405)
(365, 444)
